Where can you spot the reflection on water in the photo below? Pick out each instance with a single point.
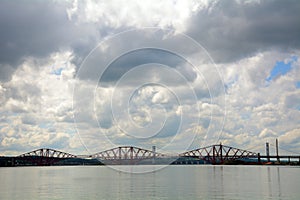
(278, 181)
(173, 182)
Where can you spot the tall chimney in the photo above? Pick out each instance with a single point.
(268, 151)
(277, 154)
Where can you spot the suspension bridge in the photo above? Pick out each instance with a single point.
(130, 155)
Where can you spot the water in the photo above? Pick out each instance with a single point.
(172, 182)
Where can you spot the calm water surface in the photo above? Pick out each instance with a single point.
(172, 182)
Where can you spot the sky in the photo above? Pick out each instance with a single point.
(86, 76)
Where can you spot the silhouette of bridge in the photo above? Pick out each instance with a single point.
(126, 155)
(44, 157)
(214, 154)
(50, 153)
(219, 153)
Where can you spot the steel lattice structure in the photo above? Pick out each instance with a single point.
(49, 153)
(126, 153)
(219, 153)
(214, 154)
(44, 157)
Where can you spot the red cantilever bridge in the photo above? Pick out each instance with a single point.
(219, 153)
(44, 156)
(133, 155)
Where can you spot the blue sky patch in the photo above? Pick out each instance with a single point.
(281, 68)
(298, 84)
(57, 71)
(230, 83)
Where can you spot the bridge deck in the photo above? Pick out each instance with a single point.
(215, 154)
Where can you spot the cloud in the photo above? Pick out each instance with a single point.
(37, 104)
(290, 141)
(134, 13)
(38, 29)
(233, 30)
(267, 133)
(126, 62)
(43, 45)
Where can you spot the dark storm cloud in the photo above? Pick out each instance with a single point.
(37, 28)
(30, 29)
(139, 57)
(122, 52)
(228, 30)
(231, 30)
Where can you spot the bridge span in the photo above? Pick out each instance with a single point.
(214, 154)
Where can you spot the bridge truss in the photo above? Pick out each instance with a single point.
(124, 153)
(49, 153)
(44, 156)
(219, 153)
(215, 154)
